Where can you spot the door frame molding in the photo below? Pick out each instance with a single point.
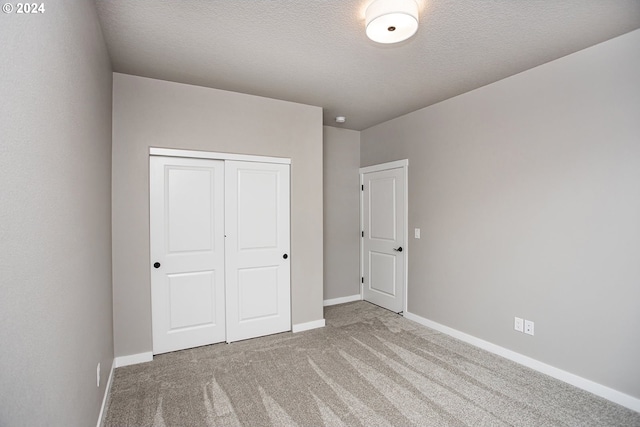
(404, 165)
(170, 152)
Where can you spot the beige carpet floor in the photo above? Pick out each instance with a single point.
(367, 367)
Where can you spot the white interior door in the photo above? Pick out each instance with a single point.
(384, 248)
(187, 252)
(257, 249)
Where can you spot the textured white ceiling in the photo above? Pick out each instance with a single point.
(316, 52)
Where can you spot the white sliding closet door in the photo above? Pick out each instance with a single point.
(257, 249)
(187, 252)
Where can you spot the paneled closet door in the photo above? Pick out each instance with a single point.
(187, 252)
(257, 249)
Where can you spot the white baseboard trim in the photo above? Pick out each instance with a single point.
(133, 359)
(580, 382)
(307, 326)
(341, 300)
(105, 398)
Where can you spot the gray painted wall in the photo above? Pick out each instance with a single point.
(527, 192)
(341, 212)
(153, 113)
(55, 216)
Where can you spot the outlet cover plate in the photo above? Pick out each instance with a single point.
(528, 327)
(518, 324)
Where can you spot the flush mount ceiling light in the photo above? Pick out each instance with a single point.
(391, 21)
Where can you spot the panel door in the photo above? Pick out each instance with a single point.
(257, 249)
(383, 242)
(187, 252)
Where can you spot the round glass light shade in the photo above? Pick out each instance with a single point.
(391, 21)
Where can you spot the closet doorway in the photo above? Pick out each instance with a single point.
(219, 244)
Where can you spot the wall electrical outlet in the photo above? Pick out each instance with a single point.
(416, 233)
(518, 324)
(528, 327)
(98, 375)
